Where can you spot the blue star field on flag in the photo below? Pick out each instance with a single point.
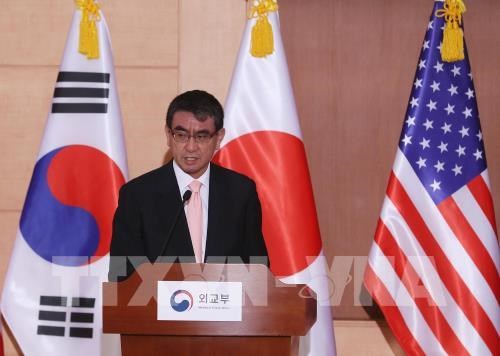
(441, 136)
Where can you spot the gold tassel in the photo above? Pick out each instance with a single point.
(89, 39)
(452, 48)
(262, 38)
(93, 41)
(262, 42)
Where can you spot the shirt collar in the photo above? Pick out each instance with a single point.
(184, 179)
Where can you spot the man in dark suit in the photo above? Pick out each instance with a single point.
(150, 221)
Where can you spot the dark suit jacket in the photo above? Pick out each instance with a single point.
(147, 209)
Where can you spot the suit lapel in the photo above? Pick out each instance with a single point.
(215, 213)
(168, 204)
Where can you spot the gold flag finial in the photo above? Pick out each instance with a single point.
(89, 40)
(452, 49)
(262, 43)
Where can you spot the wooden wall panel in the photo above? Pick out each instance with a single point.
(144, 33)
(33, 32)
(481, 25)
(210, 35)
(360, 337)
(25, 99)
(144, 96)
(352, 65)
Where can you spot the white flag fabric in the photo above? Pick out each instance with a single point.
(263, 141)
(52, 291)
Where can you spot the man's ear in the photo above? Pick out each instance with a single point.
(167, 133)
(220, 137)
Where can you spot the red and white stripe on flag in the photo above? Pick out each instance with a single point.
(434, 265)
(263, 141)
(433, 268)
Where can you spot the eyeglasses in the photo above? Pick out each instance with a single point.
(183, 137)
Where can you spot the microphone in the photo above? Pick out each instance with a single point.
(185, 198)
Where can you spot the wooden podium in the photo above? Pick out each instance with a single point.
(274, 314)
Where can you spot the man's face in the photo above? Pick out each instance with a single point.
(193, 157)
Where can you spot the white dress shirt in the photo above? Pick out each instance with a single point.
(184, 179)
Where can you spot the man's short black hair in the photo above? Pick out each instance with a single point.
(201, 104)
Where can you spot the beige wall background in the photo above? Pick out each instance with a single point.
(352, 65)
(163, 47)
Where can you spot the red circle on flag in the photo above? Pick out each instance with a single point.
(85, 177)
(277, 162)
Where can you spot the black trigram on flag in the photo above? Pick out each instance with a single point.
(53, 316)
(81, 93)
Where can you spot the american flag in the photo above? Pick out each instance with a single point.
(434, 265)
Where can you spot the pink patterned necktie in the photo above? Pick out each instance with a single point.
(195, 219)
